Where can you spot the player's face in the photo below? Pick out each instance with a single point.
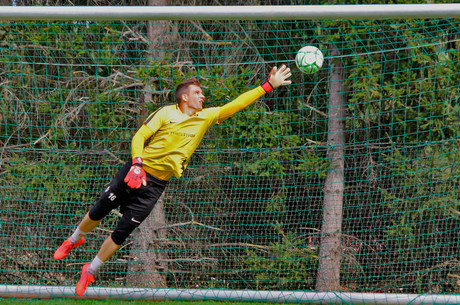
(195, 98)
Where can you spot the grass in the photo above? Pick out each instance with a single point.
(115, 302)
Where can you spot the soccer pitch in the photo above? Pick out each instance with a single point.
(112, 302)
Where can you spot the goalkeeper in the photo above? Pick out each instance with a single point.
(173, 132)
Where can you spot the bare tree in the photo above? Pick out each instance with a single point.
(158, 32)
(328, 277)
(149, 267)
(149, 261)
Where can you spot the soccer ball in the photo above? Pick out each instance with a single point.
(309, 59)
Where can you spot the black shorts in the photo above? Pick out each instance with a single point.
(134, 204)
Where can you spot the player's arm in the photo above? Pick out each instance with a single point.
(136, 175)
(137, 143)
(276, 78)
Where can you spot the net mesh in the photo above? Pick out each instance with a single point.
(248, 212)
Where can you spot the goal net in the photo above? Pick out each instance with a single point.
(248, 213)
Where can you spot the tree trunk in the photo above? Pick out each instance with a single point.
(328, 278)
(148, 266)
(158, 33)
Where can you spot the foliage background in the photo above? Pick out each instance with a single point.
(248, 212)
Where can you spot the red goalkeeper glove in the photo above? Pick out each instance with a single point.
(136, 175)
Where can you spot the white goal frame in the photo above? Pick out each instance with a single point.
(263, 12)
(283, 12)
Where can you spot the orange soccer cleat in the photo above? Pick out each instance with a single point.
(65, 248)
(84, 281)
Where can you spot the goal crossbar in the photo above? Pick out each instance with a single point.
(268, 12)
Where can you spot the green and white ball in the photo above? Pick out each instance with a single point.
(309, 59)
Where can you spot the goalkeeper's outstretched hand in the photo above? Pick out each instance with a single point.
(280, 77)
(277, 78)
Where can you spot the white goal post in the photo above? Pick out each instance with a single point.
(263, 12)
(284, 12)
(152, 294)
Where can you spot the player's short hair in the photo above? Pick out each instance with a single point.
(183, 88)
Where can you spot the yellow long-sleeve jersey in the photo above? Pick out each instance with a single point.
(168, 137)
